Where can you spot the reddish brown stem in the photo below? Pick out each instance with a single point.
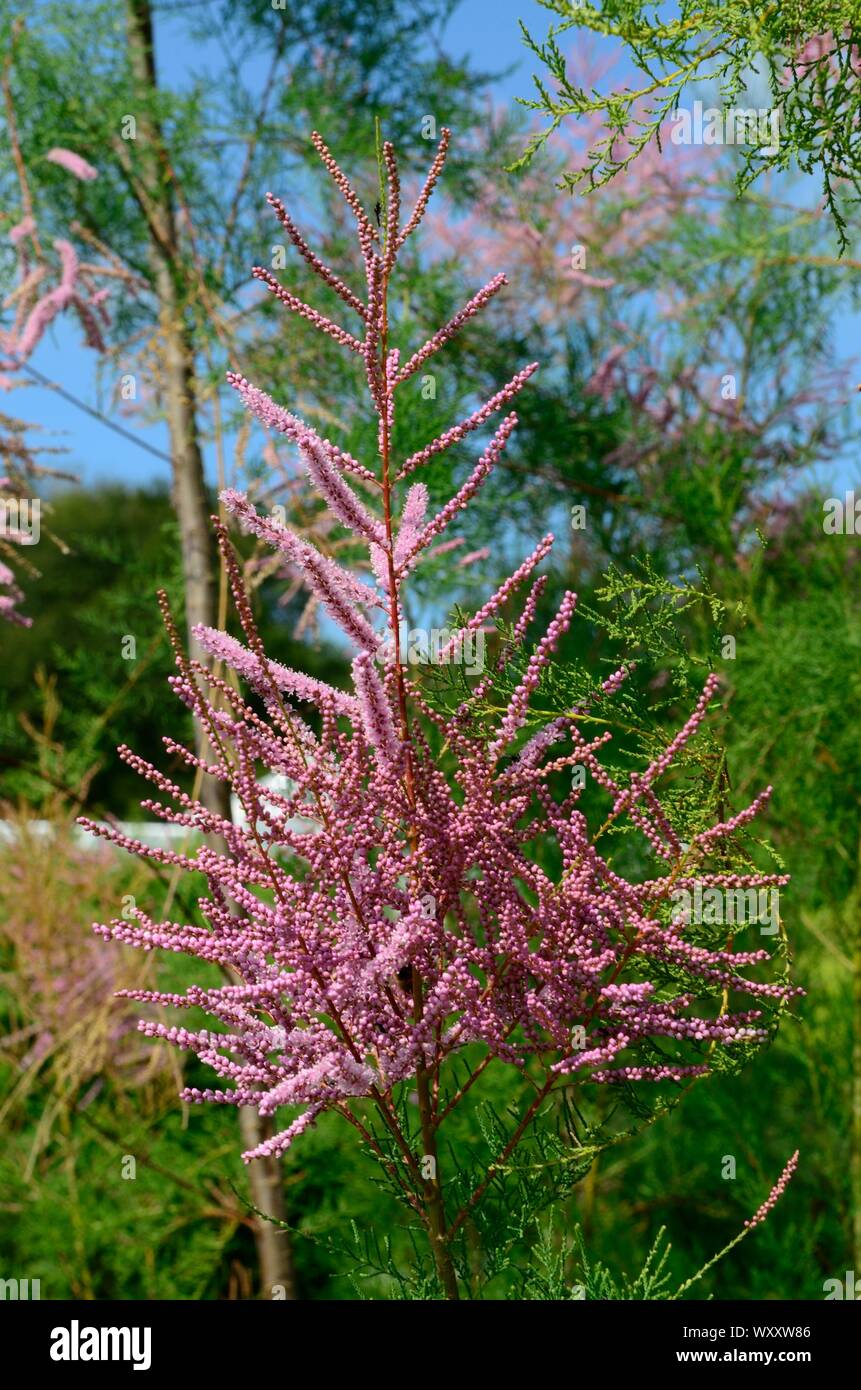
(425, 1079)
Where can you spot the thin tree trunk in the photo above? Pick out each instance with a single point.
(266, 1182)
(151, 184)
(150, 181)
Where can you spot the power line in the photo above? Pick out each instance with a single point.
(95, 414)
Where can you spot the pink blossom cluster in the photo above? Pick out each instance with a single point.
(35, 303)
(568, 252)
(77, 287)
(776, 1192)
(412, 918)
(67, 1016)
(10, 597)
(820, 55)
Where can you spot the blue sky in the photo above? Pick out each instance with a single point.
(487, 31)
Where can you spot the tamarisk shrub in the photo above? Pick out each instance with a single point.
(380, 912)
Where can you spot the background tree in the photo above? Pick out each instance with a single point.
(805, 55)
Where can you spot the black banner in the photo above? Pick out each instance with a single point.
(63, 1339)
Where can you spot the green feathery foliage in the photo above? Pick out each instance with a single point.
(805, 53)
